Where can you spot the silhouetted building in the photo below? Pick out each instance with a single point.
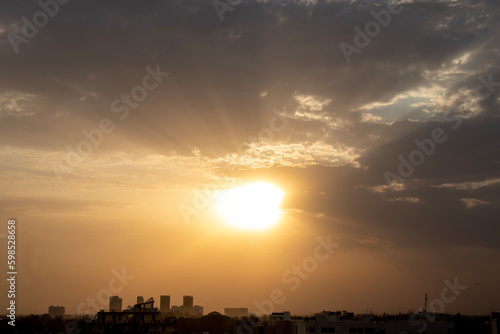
(235, 312)
(140, 299)
(197, 311)
(279, 323)
(346, 322)
(495, 323)
(56, 311)
(142, 318)
(144, 307)
(115, 304)
(187, 309)
(164, 304)
(187, 301)
(431, 327)
(343, 322)
(283, 316)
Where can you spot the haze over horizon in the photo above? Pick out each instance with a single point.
(120, 121)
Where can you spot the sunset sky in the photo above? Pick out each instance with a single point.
(120, 120)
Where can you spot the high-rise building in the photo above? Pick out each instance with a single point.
(164, 304)
(140, 299)
(115, 304)
(187, 301)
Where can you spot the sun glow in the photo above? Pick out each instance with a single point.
(254, 206)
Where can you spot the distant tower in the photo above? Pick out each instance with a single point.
(115, 304)
(164, 304)
(425, 303)
(187, 301)
(140, 299)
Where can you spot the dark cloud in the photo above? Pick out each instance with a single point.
(96, 51)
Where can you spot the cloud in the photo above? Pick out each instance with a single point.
(473, 202)
(394, 186)
(470, 185)
(405, 199)
(18, 105)
(55, 206)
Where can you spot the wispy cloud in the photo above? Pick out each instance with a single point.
(470, 185)
(472, 202)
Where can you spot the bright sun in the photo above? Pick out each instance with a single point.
(254, 206)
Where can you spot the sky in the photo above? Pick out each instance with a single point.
(120, 121)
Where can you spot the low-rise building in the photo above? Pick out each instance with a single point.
(56, 311)
(142, 318)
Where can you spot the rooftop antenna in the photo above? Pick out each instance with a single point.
(425, 303)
